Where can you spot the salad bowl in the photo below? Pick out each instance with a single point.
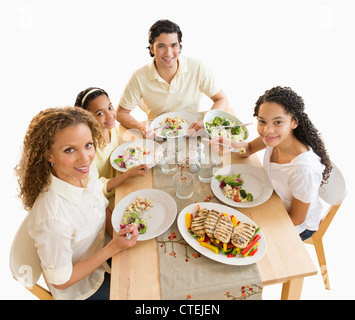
(215, 119)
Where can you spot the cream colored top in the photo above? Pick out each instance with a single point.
(104, 167)
(67, 224)
(155, 96)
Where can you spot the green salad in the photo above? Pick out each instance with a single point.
(233, 132)
(232, 188)
(134, 214)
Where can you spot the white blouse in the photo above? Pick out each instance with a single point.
(68, 226)
(301, 179)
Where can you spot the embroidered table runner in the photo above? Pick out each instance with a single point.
(184, 272)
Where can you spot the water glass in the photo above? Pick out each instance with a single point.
(205, 172)
(193, 161)
(168, 162)
(184, 185)
(175, 142)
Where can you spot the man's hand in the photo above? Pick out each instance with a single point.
(195, 129)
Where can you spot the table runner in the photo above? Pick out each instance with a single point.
(184, 272)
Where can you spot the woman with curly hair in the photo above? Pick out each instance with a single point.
(295, 158)
(66, 204)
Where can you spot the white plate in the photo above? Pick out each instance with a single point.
(151, 160)
(210, 115)
(189, 119)
(239, 260)
(256, 182)
(160, 217)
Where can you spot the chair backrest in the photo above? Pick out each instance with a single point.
(334, 191)
(25, 264)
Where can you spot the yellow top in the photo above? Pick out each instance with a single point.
(155, 96)
(104, 167)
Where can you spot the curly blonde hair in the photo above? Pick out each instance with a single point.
(33, 170)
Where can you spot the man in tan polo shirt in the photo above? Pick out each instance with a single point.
(170, 83)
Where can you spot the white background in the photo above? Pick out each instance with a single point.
(51, 50)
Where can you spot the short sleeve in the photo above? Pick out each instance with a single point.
(207, 83)
(304, 185)
(53, 241)
(132, 94)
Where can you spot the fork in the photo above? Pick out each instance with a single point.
(220, 127)
(141, 162)
(238, 150)
(129, 235)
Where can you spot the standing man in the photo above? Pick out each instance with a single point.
(170, 83)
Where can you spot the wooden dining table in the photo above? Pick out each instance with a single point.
(135, 271)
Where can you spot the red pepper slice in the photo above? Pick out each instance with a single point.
(230, 255)
(251, 244)
(253, 252)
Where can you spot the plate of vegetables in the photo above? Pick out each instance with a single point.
(222, 123)
(241, 185)
(222, 233)
(136, 152)
(172, 123)
(152, 210)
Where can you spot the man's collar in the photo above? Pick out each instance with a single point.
(153, 73)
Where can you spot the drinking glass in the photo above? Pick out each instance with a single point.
(175, 141)
(205, 170)
(184, 185)
(168, 162)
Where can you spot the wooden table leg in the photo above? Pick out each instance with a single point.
(291, 289)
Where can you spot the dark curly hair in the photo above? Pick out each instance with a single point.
(305, 131)
(33, 170)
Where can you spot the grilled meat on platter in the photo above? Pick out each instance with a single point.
(242, 234)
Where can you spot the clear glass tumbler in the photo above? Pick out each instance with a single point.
(184, 185)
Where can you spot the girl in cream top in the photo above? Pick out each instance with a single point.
(97, 102)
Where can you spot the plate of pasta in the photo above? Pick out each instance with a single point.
(155, 209)
(136, 152)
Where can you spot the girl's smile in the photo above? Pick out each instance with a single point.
(269, 139)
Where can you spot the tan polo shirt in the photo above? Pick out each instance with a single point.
(155, 96)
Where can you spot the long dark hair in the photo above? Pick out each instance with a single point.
(305, 131)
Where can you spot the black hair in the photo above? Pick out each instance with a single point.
(88, 97)
(163, 26)
(305, 131)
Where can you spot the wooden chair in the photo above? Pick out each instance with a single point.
(333, 193)
(25, 264)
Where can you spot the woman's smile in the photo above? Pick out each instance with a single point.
(83, 169)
